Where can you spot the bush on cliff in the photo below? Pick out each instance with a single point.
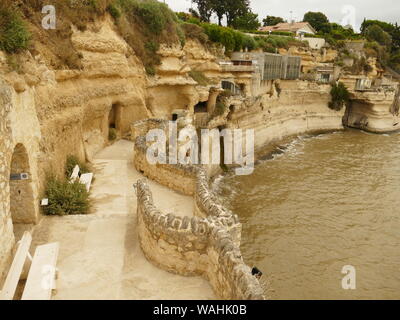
(14, 35)
(66, 198)
(145, 23)
(340, 96)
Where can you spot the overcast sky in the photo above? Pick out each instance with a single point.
(386, 10)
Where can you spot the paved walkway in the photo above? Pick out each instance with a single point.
(100, 256)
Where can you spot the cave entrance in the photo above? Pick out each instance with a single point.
(114, 117)
(22, 205)
(201, 107)
(114, 121)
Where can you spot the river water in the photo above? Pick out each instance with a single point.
(321, 203)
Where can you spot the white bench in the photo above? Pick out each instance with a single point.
(85, 178)
(75, 174)
(42, 271)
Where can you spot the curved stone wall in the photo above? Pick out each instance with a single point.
(209, 243)
(195, 246)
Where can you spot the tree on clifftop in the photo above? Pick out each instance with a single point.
(236, 9)
(231, 9)
(272, 21)
(376, 33)
(248, 21)
(205, 9)
(318, 21)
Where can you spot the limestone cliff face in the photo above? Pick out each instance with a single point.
(286, 108)
(48, 114)
(6, 228)
(374, 111)
(173, 88)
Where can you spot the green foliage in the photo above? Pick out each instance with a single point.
(66, 198)
(273, 43)
(194, 31)
(272, 21)
(317, 20)
(231, 9)
(150, 70)
(205, 9)
(73, 161)
(376, 33)
(14, 35)
(114, 10)
(339, 96)
(199, 77)
(145, 25)
(275, 33)
(223, 35)
(249, 43)
(248, 21)
(181, 35)
(154, 14)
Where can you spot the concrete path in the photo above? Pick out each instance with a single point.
(100, 256)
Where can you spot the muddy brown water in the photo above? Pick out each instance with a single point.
(321, 203)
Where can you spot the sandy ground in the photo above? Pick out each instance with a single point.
(100, 256)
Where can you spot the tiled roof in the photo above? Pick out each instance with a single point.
(286, 26)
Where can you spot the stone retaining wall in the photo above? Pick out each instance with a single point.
(195, 246)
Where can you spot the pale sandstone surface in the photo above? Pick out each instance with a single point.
(100, 256)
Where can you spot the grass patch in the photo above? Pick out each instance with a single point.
(195, 32)
(14, 34)
(146, 24)
(66, 198)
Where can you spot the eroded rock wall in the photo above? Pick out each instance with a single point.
(373, 111)
(287, 108)
(6, 228)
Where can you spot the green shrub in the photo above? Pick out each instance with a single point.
(66, 198)
(154, 14)
(181, 35)
(340, 96)
(249, 43)
(14, 35)
(194, 31)
(114, 11)
(145, 25)
(228, 37)
(73, 161)
(150, 70)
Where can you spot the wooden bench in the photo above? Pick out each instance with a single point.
(40, 280)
